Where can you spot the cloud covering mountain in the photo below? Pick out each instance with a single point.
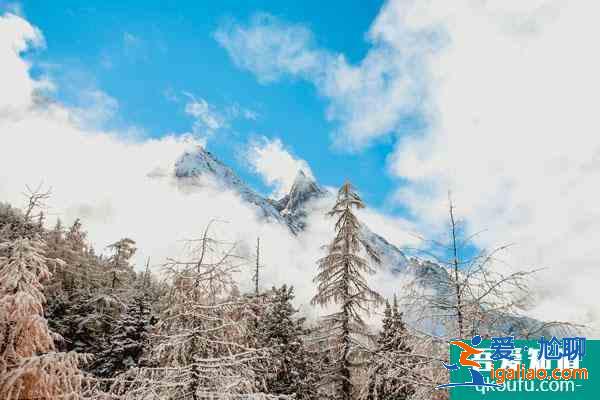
(124, 185)
(514, 144)
(506, 92)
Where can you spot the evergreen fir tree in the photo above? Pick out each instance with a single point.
(119, 263)
(293, 371)
(341, 280)
(14, 225)
(81, 324)
(81, 306)
(127, 341)
(391, 367)
(198, 347)
(86, 319)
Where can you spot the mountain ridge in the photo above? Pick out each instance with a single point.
(292, 210)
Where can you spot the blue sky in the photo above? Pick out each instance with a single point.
(493, 100)
(144, 54)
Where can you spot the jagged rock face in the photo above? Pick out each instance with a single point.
(391, 255)
(303, 189)
(292, 207)
(292, 210)
(201, 163)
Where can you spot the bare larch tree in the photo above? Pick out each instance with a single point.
(198, 348)
(477, 293)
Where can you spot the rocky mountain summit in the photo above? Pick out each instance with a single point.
(293, 210)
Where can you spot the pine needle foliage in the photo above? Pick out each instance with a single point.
(294, 372)
(391, 371)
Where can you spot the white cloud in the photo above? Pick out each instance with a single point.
(370, 99)
(275, 164)
(271, 48)
(250, 114)
(94, 107)
(513, 135)
(209, 119)
(237, 111)
(508, 90)
(206, 117)
(123, 186)
(16, 36)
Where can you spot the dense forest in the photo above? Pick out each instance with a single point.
(80, 323)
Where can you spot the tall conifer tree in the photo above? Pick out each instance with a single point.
(390, 372)
(293, 370)
(341, 280)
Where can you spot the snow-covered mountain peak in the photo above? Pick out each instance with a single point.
(292, 206)
(303, 189)
(291, 210)
(304, 183)
(200, 162)
(302, 180)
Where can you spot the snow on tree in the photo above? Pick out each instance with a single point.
(29, 366)
(82, 324)
(70, 246)
(467, 291)
(119, 262)
(198, 347)
(392, 368)
(293, 371)
(147, 286)
(127, 340)
(477, 294)
(83, 303)
(13, 224)
(257, 267)
(341, 280)
(101, 296)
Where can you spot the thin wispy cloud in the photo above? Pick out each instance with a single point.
(237, 111)
(272, 48)
(134, 47)
(209, 119)
(206, 116)
(369, 100)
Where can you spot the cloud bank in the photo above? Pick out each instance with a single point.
(16, 36)
(122, 185)
(507, 90)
